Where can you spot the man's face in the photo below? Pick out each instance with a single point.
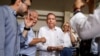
(23, 7)
(33, 16)
(51, 21)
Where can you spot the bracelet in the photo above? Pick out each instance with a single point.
(26, 28)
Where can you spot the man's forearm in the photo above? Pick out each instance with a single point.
(35, 41)
(24, 33)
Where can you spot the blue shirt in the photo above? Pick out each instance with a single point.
(28, 50)
(9, 33)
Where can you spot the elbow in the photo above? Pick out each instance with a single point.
(85, 37)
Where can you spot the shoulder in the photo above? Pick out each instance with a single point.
(4, 7)
(78, 15)
(43, 28)
(4, 11)
(58, 28)
(77, 18)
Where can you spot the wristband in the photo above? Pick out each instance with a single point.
(26, 28)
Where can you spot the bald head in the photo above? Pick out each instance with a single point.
(33, 16)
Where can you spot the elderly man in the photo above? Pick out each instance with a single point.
(32, 40)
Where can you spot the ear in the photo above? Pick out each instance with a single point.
(18, 2)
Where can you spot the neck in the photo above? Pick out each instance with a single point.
(66, 31)
(14, 7)
(51, 28)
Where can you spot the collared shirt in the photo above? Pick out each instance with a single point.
(8, 32)
(52, 39)
(87, 26)
(28, 50)
(67, 40)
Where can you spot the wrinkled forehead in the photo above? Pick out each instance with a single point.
(28, 2)
(34, 13)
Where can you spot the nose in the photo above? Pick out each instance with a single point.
(50, 20)
(35, 19)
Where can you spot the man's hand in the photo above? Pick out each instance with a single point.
(59, 48)
(43, 40)
(51, 48)
(28, 21)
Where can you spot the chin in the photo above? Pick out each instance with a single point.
(20, 14)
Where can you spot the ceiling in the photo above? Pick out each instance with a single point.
(50, 5)
(55, 5)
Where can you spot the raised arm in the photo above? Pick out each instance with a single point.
(86, 26)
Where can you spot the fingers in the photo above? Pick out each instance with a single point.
(43, 40)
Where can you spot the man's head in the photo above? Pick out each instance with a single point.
(21, 6)
(51, 20)
(33, 16)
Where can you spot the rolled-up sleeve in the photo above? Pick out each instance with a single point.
(86, 26)
(22, 39)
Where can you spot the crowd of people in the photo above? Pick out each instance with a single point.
(20, 40)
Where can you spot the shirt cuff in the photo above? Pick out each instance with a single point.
(22, 41)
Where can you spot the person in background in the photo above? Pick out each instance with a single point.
(10, 34)
(69, 40)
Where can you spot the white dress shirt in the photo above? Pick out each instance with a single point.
(67, 40)
(52, 39)
(87, 26)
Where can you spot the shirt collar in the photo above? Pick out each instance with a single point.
(12, 11)
(50, 29)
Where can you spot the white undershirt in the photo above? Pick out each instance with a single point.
(67, 40)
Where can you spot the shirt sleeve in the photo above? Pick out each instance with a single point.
(86, 26)
(41, 46)
(22, 39)
(30, 37)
